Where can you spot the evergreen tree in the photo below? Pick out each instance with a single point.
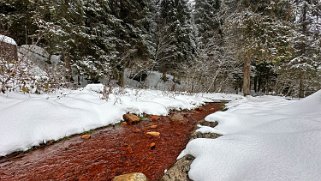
(62, 31)
(304, 66)
(15, 19)
(135, 45)
(277, 42)
(97, 39)
(208, 22)
(175, 45)
(212, 53)
(259, 32)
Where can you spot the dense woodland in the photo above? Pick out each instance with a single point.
(261, 46)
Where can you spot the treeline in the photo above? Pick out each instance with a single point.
(207, 45)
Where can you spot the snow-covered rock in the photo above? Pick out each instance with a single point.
(153, 80)
(38, 55)
(34, 53)
(7, 40)
(8, 51)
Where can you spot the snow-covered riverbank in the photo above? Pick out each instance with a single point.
(264, 138)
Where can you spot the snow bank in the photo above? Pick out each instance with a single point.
(7, 39)
(28, 120)
(265, 138)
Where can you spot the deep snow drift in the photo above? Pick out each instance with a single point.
(28, 120)
(264, 138)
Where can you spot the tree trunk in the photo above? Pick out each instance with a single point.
(120, 71)
(256, 84)
(121, 80)
(301, 86)
(213, 80)
(247, 77)
(67, 61)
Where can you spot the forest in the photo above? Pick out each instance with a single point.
(250, 46)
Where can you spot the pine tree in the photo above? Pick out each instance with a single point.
(133, 35)
(259, 33)
(212, 53)
(306, 59)
(208, 22)
(15, 20)
(175, 44)
(62, 31)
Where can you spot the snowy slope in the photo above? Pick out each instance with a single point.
(264, 138)
(28, 120)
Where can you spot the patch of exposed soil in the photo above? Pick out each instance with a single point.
(109, 151)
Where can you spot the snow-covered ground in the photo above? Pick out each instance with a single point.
(27, 120)
(264, 138)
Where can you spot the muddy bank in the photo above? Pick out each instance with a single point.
(109, 152)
